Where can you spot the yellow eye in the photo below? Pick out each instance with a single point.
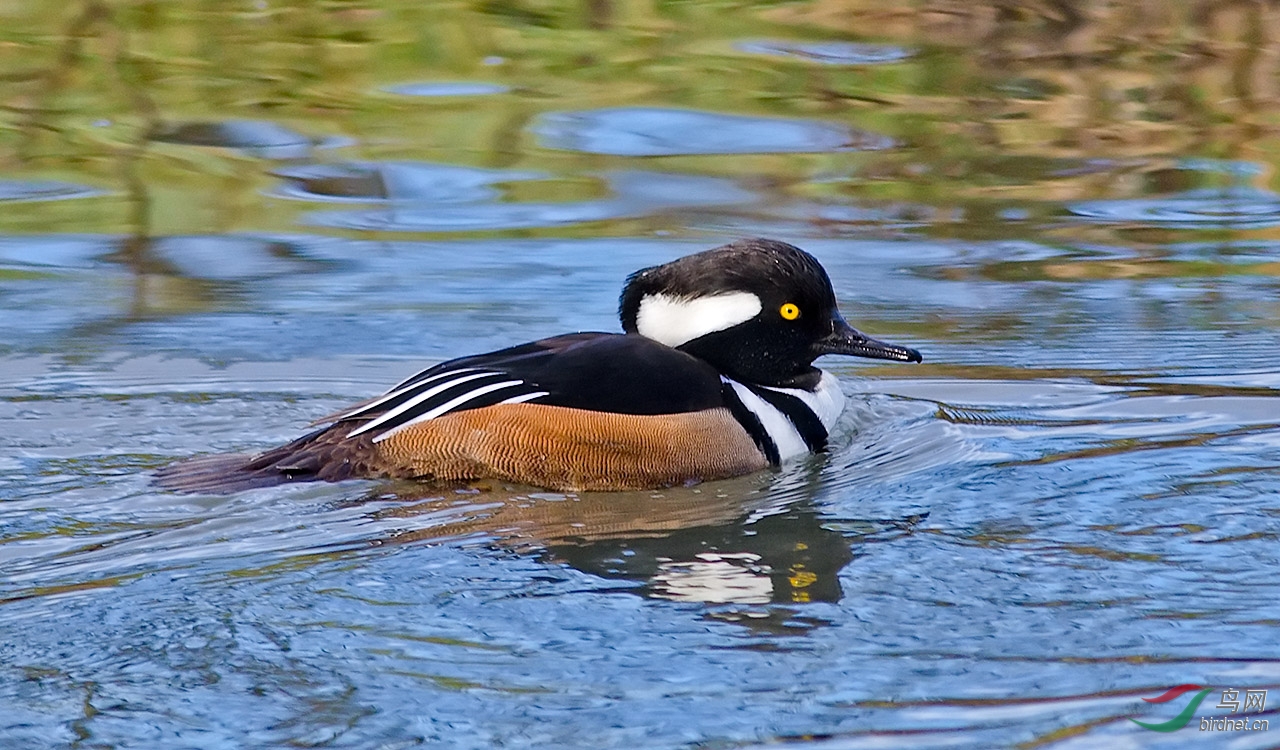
(789, 311)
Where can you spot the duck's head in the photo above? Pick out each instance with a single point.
(758, 310)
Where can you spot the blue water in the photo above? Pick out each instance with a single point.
(1070, 506)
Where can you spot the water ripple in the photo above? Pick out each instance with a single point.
(653, 131)
(1240, 207)
(394, 181)
(636, 194)
(446, 88)
(267, 140)
(827, 53)
(14, 191)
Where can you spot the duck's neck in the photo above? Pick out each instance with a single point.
(786, 422)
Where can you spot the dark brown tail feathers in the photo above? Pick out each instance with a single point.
(326, 455)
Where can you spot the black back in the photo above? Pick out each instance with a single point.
(608, 372)
(624, 374)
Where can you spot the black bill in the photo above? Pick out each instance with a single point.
(844, 339)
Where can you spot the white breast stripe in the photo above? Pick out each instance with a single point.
(399, 390)
(783, 434)
(678, 320)
(826, 401)
(452, 404)
(406, 406)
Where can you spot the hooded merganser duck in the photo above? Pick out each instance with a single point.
(713, 378)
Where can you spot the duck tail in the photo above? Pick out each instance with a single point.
(326, 455)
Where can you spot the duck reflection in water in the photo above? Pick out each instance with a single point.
(748, 541)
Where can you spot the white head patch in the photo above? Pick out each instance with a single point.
(678, 320)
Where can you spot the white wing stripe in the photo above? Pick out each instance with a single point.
(406, 406)
(523, 397)
(398, 391)
(448, 406)
(414, 382)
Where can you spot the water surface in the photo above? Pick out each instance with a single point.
(217, 224)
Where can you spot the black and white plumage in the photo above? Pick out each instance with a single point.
(718, 346)
(592, 371)
(619, 373)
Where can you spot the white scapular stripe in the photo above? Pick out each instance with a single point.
(454, 403)
(783, 434)
(399, 390)
(678, 320)
(827, 400)
(523, 397)
(414, 382)
(406, 406)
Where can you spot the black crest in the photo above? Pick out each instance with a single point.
(767, 268)
(768, 349)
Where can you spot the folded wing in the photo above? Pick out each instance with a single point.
(592, 371)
